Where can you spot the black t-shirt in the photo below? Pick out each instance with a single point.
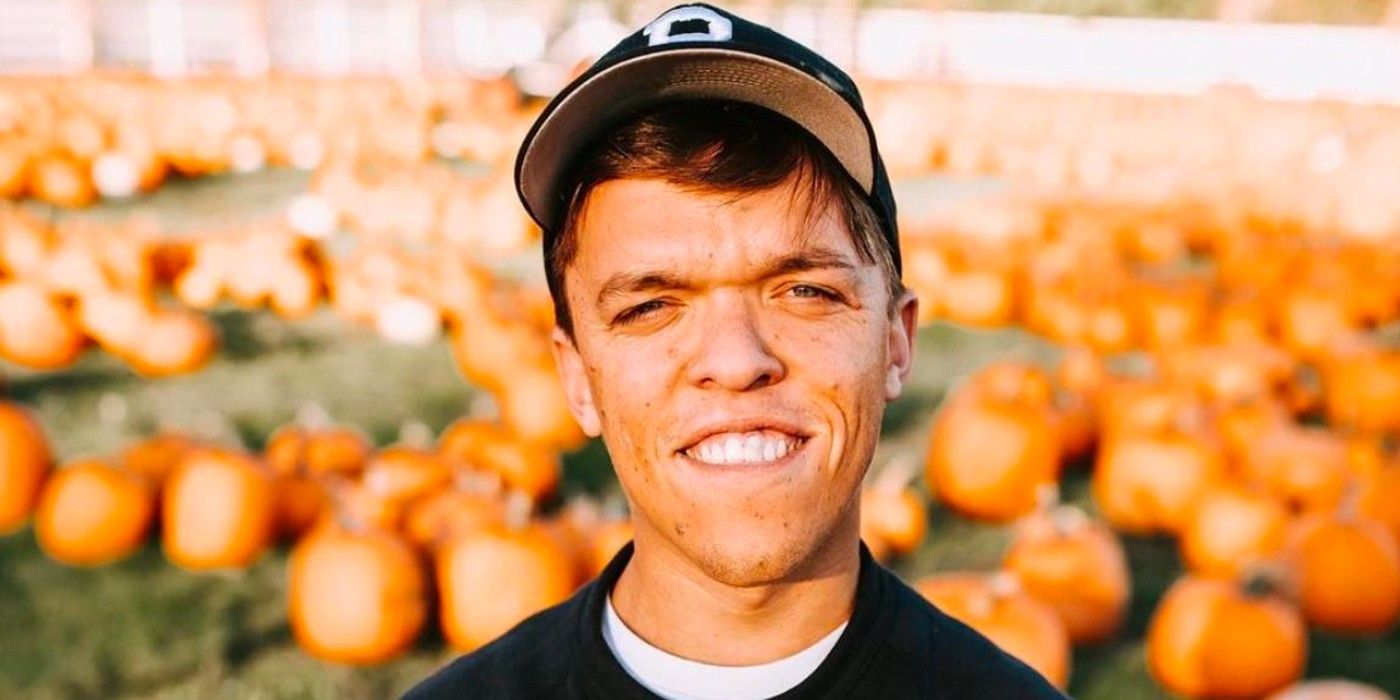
(896, 645)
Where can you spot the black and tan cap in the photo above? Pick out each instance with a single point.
(697, 51)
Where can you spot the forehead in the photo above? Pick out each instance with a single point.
(642, 222)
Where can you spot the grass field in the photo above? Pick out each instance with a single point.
(143, 628)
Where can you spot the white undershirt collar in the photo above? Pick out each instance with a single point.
(675, 678)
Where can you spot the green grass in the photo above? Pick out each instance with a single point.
(143, 628)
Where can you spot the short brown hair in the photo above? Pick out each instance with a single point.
(715, 146)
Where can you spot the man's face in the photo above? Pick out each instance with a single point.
(736, 357)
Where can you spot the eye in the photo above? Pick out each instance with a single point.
(807, 291)
(636, 313)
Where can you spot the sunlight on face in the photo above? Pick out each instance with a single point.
(736, 358)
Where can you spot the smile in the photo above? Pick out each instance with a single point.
(752, 447)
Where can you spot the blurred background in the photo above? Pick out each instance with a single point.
(278, 416)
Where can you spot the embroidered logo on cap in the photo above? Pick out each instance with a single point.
(690, 23)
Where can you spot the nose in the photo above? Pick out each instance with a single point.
(730, 351)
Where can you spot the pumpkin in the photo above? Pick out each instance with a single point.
(1376, 495)
(35, 330)
(293, 449)
(1148, 482)
(24, 464)
(997, 608)
(1074, 565)
(608, 539)
(1331, 690)
(447, 515)
(534, 408)
(217, 511)
(172, 342)
(527, 467)
(91, 514)
(355, 597)
(1225, 639)
(1348, 569)
(1170, 314)
(462, 442)
(1310, 319)
(62, 180)
(1361, 390)
(1231, 527)
(991, 449)
(1246, 423)
(156, 457)
(493, 579)
(402, 474)
(1136, 405)
(892, 512)
(1305, 467)
(300, 502)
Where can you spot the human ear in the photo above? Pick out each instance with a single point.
(903, 326)
(577, 391)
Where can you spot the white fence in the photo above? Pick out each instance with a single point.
(540, 38)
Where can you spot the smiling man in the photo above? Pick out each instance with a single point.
(721, 248)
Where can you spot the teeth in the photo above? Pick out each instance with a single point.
(744, 448)
(733, 449)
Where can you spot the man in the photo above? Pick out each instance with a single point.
(720, 244)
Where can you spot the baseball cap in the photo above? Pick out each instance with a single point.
(698, 51)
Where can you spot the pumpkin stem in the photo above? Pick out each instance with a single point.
(1003, 584)
(1047, 496)
(1067, 520)
(312, 416)
(415, 434)
(1261, 580)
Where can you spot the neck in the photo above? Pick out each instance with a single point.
(671, 603)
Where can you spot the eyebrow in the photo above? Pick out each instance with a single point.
(815, 258)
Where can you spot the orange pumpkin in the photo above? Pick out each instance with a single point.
(996, 607)
(1231, 527)
(1246, 423)
(35, 330)
(1224, 639)
(92, 514)
(493, 579)
(1074, 565)
(172, 342)
(62, 180)
(1348, 570)
(1361, 390)
(355, 597)
(300, 503)
(534, 408)
(447, 515)
(892, 512)
(1149, 482)
(24, 464)
(402, 474)
(1305, 467)
(992, 447)
(314, 452)
(608, 539)
(217, 511)
(1170, 314)
(1310, 319)
(1376, 495)
(155, 458)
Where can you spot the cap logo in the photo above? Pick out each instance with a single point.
(690, 23)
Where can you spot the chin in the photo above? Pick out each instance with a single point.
(748, 556)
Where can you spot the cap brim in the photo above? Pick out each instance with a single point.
(583, 113)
